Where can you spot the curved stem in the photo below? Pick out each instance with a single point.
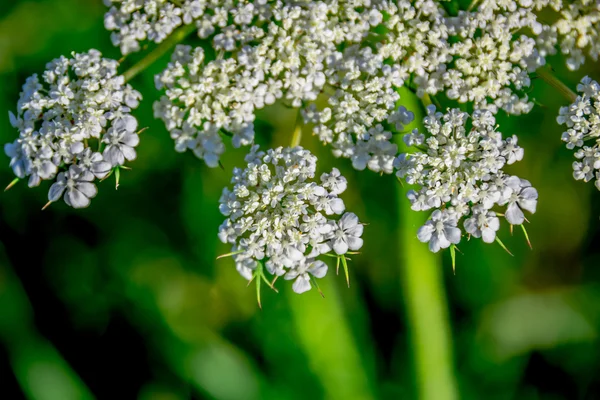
(548, 76)
(177, 36)
(424, 296)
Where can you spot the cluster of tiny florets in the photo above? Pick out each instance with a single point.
(74, 125)
(134, 21)
(491, 63)
(295, 57)
(280, 218)
(228, 22)
(203, 102)
(582, 119)
(457, 169)
(576, 32)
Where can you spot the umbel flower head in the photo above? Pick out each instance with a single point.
(280, 219)
(203, 102)
(491, 64)
(135, 21)
(457, 168)
(576, 31)
(297, 52)
(74, 125)
(582, 119)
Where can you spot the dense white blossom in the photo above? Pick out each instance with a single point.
(493, 56)
(354, 55)
(459, 174)
(203, 102)
(576, 32)
(135, 21)
(296, 52)
(280, 218)
(582, 118)
(78, 107)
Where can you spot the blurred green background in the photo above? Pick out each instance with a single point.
(126, 300)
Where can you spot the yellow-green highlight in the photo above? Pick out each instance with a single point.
(423, 293)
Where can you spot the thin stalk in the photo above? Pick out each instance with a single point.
(177, 36)
(472, 5)
(297, 135)
(424, 296)
(548, 76)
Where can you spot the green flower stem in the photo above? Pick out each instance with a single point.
(297, 135)
(424, 295)
(324, 334)
(548, 76)
(177, 36)
(472, 5)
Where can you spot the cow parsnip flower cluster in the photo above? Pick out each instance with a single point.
(458, 170)
(342, 65)
(576, 31)
(75, 125)
(280, 218)
(582, 119)
(294, 56)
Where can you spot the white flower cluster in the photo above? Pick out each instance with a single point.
(577, 31)
(491, 63)
(204, 101)
(79, 107)
(355, 54)
(279, 218)
(582, 119)
(134, 21)
(459, 174)
(363, 78)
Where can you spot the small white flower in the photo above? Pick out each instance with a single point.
(347, 234)
(120, 142)
(523, 197)
(440, 231)
(483, 224)
(317, 268)
(77, 186)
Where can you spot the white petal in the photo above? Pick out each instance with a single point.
(514, 215)
(453, 235)
(302, 284)
(434, 244)
(88, 189)
(56, 190)
(76, 199)
(101, 169)
(340, 246)
(131, 140)
(529, 205)
(488, 235)
(424, 233)
(337, 205)
(354, 243)
(318, 269)
(113, 155)
(128, 152)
